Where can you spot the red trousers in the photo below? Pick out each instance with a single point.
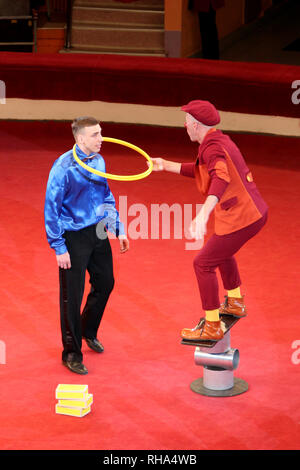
(219, 252)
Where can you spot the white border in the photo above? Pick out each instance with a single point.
(59, 110)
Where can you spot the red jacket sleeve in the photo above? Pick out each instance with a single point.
(215, 159)
(188, 169)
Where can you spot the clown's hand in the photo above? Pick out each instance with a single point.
(197, 228)
(158, 164)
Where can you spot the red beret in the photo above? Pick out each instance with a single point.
(203, 111)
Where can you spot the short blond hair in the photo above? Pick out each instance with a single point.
(81, 122)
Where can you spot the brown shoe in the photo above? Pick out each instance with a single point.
(205, 330)
(234, 306)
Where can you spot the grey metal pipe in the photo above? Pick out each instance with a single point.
(228, 360)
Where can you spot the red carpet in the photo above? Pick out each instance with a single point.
(142, 398)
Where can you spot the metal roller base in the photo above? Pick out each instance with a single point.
(239, 387)
(219, 363)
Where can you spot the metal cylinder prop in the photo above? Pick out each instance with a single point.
(228, 360)
(218, 363)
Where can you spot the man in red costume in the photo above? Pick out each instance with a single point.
(223, 177)
(206, 10)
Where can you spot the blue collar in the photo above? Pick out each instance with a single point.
(83, 155)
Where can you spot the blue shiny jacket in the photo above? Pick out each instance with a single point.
(77, 198)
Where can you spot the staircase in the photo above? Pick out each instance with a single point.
(109, 26)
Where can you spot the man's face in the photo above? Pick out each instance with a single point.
(90, 138)
(191, 127)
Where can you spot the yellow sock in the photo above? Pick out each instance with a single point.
(212, 315)
(235, 293)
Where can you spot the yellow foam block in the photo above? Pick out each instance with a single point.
(71, 392)
(77, 403)
(66, 410)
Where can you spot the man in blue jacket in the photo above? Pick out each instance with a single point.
(79, 209)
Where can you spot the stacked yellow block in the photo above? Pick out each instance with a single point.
(73, 400)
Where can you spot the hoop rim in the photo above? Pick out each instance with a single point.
(118, 177)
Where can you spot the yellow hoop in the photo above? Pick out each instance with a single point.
(118, 177)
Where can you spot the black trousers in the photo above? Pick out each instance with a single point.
(209, 34)
(92, 254)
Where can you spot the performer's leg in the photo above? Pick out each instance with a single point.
(206, 276)
(234, 301)
(205, 266)
(230, 274)
(71, 292)
(100, 268)
(219, 251)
